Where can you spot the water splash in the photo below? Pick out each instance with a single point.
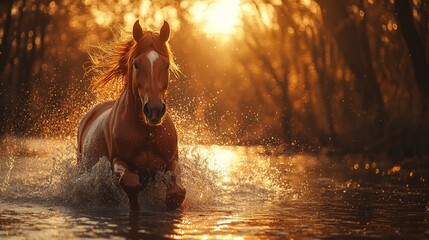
(38, 174)
(45, 171)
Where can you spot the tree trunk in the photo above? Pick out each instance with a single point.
(415, 48)
(287, 119)
(287, 109)
(353, 43)
(325, 87)
(4, 47)
(4, 55)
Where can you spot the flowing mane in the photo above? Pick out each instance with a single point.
(110, 63)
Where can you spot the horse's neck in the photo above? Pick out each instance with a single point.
(129, 107)
(128, 104)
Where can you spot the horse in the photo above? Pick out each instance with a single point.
(135, 132)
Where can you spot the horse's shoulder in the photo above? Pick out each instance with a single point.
(90, 117)
(99, 109)
(104, 105)
(94, 113)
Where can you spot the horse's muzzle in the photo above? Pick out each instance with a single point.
(154, 112)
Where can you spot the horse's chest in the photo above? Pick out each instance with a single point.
(147, 160)
(145, 150)
(143, 155)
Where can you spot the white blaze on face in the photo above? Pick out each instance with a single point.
(152, 56)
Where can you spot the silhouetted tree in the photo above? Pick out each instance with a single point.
(416, 49)
(352, 40)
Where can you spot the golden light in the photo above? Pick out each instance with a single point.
(220, 159)
(217, 17)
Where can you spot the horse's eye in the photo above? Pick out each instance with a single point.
(136, 66)
(167, 65)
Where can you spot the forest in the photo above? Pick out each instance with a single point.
(306, 75)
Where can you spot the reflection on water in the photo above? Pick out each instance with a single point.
(233, 193)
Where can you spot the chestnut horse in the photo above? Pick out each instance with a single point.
(135, 132)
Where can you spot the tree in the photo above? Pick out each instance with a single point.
(352, 40)
(416, 49)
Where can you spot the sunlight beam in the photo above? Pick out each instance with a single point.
(219, 18)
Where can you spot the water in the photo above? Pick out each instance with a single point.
(233, 193)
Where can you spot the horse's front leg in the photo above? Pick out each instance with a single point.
(129, 181)
(175, 194)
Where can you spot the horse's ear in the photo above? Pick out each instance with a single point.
(164, 33)
(137, 31)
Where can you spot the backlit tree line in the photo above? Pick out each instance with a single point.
(308, 74)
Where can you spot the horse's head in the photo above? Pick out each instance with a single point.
(150, 71)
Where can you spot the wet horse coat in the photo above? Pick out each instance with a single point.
(135, 132)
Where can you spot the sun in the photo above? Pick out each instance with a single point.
(219, 17)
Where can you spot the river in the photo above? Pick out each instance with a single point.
(233, 192)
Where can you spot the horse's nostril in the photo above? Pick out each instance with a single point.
(146, 110)
(163, 110)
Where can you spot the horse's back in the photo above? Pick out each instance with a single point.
(91, 140)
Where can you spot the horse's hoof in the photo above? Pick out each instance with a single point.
(175, 197)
